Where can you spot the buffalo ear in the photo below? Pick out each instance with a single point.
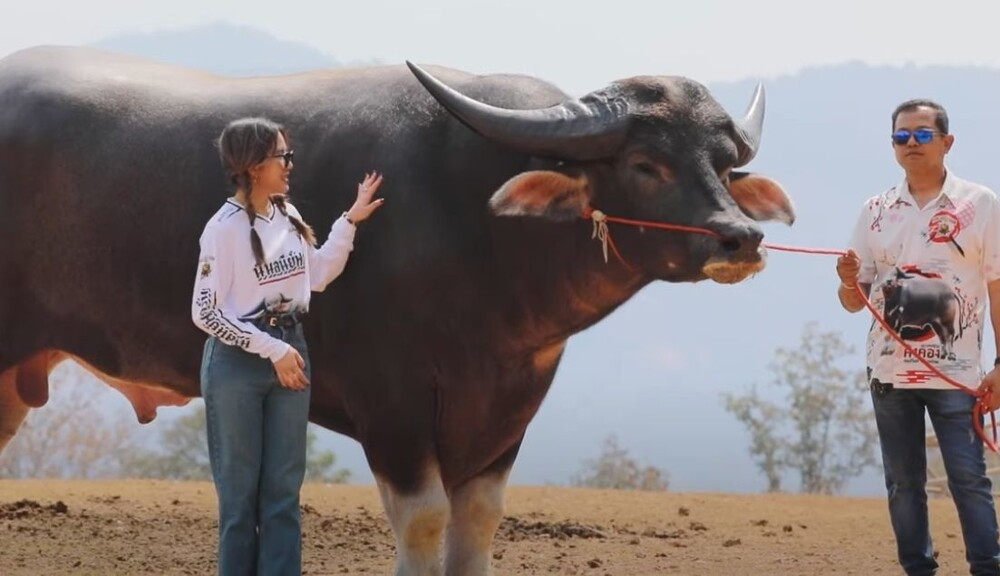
(761, 198)
(543, 193)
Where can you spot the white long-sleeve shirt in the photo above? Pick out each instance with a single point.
(231, 290)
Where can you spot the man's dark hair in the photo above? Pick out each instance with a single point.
(940, 114)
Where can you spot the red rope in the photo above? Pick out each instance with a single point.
(978, 410)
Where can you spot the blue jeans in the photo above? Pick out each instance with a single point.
(899, 415)
(257, 447)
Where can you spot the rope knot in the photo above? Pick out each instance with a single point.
(600, 220)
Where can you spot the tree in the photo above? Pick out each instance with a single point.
(761, 419)
(182, 454)
(824, 430)
(68, 437)
(615, 469)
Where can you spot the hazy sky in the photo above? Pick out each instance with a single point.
(579, 45)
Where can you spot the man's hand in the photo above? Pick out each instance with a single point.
(990, 387)
(848, 268)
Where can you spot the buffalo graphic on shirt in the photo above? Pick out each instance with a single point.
(273, 305)
(919, 305)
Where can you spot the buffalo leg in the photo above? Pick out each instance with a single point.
(477, 507)
(418, 520)
(476, 511)
(945, 336)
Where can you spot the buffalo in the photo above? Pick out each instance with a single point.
(437, 345)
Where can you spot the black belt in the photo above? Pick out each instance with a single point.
(880, 388)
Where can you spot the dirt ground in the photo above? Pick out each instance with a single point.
(153, 527)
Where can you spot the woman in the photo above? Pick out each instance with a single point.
(257, 266)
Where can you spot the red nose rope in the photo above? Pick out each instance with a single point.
(600, 220)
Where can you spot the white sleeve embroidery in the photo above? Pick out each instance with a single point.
(215, 277)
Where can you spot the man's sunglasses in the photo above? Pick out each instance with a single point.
(286, 158)
(921, 135)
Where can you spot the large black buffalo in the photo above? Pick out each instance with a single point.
(437, 345)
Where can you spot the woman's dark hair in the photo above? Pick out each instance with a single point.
(243, 144)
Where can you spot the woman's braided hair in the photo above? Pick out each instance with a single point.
(243, 144)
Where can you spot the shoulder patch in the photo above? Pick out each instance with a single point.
(206, 267)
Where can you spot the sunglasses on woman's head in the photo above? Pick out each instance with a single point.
(286, 157)
(921, 135)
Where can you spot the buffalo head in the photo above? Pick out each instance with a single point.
(646, 148)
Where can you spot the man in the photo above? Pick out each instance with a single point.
(931, 247)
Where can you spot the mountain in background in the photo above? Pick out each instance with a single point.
(653, 371)
(224, 49)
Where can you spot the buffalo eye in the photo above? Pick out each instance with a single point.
(647, 169)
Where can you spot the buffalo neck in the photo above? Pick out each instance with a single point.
(555, 279)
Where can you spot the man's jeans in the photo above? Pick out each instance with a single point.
(257, 446)
(899, 414)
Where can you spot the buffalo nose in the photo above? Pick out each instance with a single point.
(741, 239)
